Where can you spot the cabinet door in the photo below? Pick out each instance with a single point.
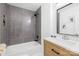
(51, 49)
(68, 19)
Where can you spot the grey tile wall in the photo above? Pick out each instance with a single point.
(20, 25)
(2, 27)
(38, 25)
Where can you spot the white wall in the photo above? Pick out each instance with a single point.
(48, 19)
(53, 19)
(45, 20)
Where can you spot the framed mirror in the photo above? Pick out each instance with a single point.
(68, 19)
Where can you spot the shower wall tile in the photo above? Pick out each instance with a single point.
(21, 25)
(2, 27)
(38, 24)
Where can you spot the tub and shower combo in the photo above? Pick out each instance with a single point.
(24, 49)
(21, 30)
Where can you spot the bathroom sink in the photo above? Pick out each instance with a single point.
(70, 42)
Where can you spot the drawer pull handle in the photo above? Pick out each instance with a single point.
(55, 51)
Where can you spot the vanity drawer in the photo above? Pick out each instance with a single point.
(51, 49)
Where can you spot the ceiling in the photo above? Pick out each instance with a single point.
(33, 6)
(29, 6)
(59, 5)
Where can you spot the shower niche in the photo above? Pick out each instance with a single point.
(68, 19)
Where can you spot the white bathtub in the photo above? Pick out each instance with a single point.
(25, 49)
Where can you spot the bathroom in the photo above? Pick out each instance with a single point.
(39, 29)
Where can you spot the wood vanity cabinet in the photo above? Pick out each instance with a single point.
(51, 49)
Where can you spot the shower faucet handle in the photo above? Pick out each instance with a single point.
(53, 36)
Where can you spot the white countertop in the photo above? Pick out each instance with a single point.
(67, 44)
